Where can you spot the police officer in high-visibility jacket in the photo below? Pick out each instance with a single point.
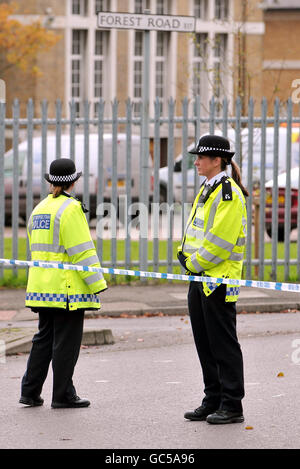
(213, 246)
(58, 232)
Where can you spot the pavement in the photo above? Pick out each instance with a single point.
(18, 324)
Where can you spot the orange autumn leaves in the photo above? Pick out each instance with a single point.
(21, 43)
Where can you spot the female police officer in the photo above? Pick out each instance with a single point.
(213, 246)
(58, 232)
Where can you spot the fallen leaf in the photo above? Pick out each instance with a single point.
(280, 374)
(248, 427)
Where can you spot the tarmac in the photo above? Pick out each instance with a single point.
(18, 323)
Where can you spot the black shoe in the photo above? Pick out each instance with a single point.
(74, 403)
(200, 413)
(31, 401)
(225, 416)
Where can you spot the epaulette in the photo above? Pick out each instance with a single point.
(226, 189)
(83, 207)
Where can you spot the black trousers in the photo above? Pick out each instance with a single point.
(58, 339)
(214, 328)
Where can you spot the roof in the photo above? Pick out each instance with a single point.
(280, 4)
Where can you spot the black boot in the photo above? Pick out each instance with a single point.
(200, 413)
(225, 416)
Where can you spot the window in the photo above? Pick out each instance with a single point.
(200, 9)
(199, 64)
(137, 72)
(101, 38)
(102, 5)
(161, 7)
(219, 65)
(141, 5)
(162, 39)
(221, 9)
(77, 67)
(79, 7)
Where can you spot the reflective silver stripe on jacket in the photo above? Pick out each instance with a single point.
(93, 278)
(213, 210)
(80, 248)
(29, 225)
(236, 256)
(208, 256)
(198, 267)
(89, 261)
(198, 234)
(221, 243)
(47, 248)
(56, 227)
(189, 248)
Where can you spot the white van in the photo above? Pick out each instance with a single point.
(269, 150)
(79, 161)
(191, 175)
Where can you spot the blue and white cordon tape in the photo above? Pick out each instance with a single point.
(138, 273)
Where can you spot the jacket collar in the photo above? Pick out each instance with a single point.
(215, 178)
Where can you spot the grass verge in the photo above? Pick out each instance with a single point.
(17, 278)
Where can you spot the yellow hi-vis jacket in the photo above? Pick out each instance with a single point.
(58, 232)
(215, 236)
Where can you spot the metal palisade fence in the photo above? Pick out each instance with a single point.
(137, 208)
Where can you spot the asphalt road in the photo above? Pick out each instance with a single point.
(141, 386)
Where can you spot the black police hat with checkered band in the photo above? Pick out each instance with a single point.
(62, 171)
(213, 145)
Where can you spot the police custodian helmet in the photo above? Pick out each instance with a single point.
(213, 145)
(62, 171)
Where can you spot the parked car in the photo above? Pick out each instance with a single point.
(37, 177)
(281, 202)
(256, 166)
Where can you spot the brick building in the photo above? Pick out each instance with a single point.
(281, 48)
(245, 47)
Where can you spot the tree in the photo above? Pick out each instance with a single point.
(20, 44)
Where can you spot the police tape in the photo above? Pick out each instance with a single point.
(158, 275)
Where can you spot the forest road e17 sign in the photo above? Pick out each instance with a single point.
(183, 24)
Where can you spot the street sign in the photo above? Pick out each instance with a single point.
(146, 22)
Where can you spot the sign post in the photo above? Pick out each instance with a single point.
(145, 22)
(2, 91)
(145, 147)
